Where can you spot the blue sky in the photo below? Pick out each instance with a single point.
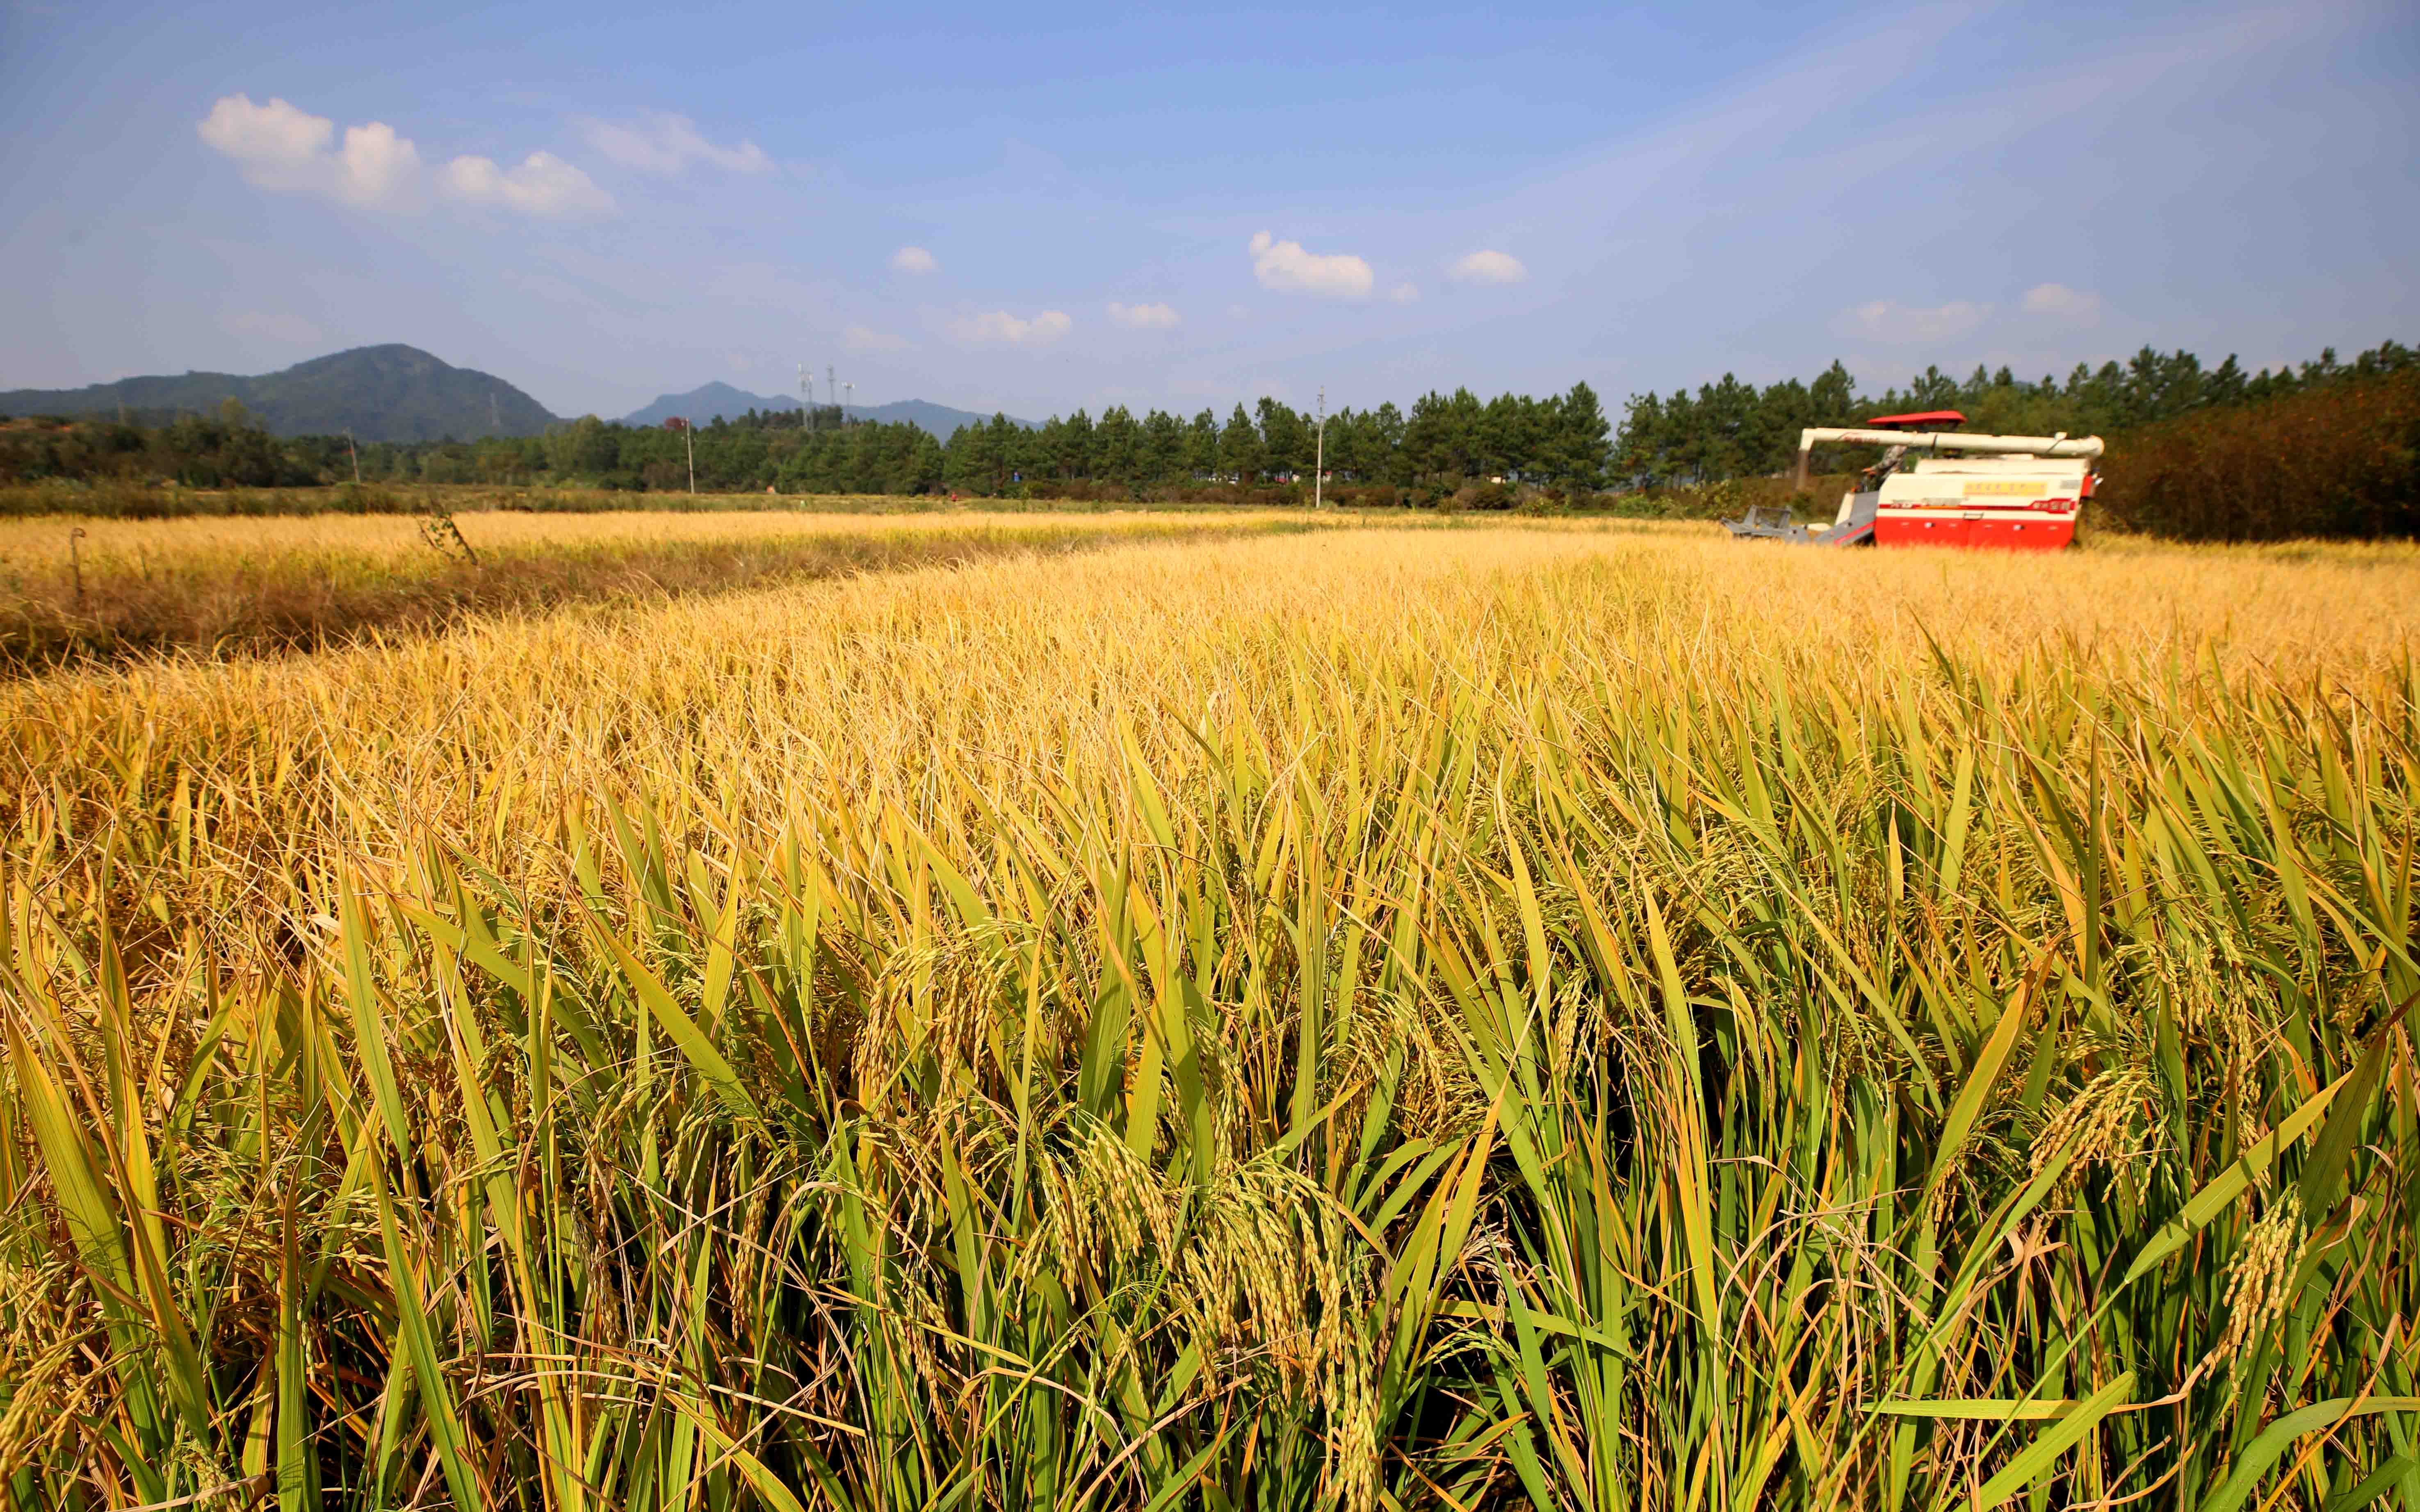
(1037, 208)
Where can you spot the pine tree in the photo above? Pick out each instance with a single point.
(1239, 449)
(1117, 446)
(1579, 440)
(1163, 447)
(1201, 445)
(1285, 438)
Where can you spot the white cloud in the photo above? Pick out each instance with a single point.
(1284, 266)
(865, 339)
(998, 325)
(544, 186)
(1404, 293)
(662, 142)
(2062, 301)
(914, 260)
(280, 147)
(1145, 316)
(375, 166)
(1486, 266)
(1889, 320)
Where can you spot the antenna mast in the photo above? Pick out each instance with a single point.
(1319, 462)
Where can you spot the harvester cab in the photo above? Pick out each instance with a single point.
(1935, 486)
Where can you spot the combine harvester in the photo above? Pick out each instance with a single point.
(2017, 492)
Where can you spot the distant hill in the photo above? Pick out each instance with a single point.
(939, 419)
(402, 394)
(703, 403)
(386, 394)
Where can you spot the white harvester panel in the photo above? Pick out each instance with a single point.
(1983, 500)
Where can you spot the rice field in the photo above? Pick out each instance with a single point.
(1384, 1018)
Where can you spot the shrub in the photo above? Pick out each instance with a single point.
(1367, 496)
(2339, 461)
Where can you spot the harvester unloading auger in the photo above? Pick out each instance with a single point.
(1936, 488)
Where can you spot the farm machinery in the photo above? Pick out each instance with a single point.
(1935, 486)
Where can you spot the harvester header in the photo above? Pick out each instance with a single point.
(2061, 445)
(1937, 486)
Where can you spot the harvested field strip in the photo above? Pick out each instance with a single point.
(1385, 1019)
(74, 590)
(104, 498)
(397, 538)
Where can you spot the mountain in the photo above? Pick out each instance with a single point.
(938, 419)
(703, 403)
(401, 394)
(386, 394)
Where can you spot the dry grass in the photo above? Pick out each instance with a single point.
(1424, 1018)
(78, 588)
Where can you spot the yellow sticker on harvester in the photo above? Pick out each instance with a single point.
(1987, 487)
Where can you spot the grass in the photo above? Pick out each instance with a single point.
(73, 588)
(1548, 1017)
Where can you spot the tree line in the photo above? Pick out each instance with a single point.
(224, 449)
(1444, 442)
(1730, 429)
(1447, 446)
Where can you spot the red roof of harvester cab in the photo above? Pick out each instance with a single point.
(1926, 420)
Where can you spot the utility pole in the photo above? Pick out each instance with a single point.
(845, 403)
(831, 390)
(356, 455)
(689, 434)
(806, 398)
(1319, 462)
